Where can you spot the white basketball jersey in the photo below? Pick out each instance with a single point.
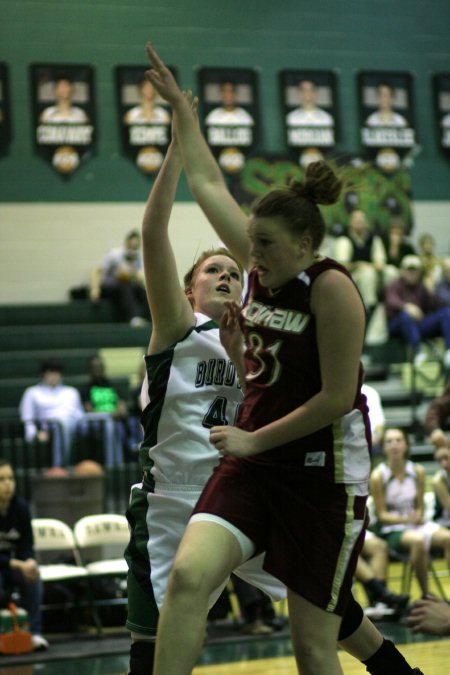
(192, 386)
(400, 496)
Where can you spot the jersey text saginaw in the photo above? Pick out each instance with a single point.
(287, 320)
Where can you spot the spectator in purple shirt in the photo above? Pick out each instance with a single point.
(414, 313)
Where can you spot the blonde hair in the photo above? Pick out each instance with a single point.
(189, 277)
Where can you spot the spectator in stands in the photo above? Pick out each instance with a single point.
(121, 279)
(413, 312)
(19, 571)
(441, 485)
(398, 488)
(431, 263)
(436, 416)
(135, 433)
(362, 252)
(51, 411)
(443, 286)
(371, 572)
(430, 615)
(396, 245)
(376, 416)
(106, 414)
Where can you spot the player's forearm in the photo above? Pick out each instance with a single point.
(199, 163)
(317, 413)
(159, 204)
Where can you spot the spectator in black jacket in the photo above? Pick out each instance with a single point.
(18, 567)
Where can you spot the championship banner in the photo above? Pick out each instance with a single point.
(441, 82)
(64, 114)
(228, 98)
(5, 107)
(386, 117)
(144, 118)
(309, 105)
(381, 196)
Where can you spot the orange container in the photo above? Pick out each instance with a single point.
(17, 641)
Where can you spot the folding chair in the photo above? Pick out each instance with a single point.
(404, 558)
(54, 536)
(105, 530)
(407, 572)
(101, 540)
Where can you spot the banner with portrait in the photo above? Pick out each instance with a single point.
(229, 109)
(441, 82)
(63, 114)
(144, 118)
(5, 108)
(310, 112)
(386, 114)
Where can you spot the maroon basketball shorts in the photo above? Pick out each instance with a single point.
(311, 532)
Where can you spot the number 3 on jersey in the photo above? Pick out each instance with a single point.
(268, 365)
(217, 413)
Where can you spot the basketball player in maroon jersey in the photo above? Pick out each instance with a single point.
(293, 480)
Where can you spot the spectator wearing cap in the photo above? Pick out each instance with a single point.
(413, 312)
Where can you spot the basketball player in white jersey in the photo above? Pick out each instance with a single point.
(190, 386)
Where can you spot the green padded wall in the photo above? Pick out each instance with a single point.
(401, 35)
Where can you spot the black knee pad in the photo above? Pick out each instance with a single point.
(142, 654)
(351, 620)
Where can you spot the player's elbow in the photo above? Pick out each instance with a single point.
(342, 402)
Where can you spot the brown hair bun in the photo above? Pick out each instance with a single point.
(320, 184)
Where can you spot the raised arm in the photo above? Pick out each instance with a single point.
(172, 314)
(204, 175)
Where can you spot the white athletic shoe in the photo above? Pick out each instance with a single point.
(39, 643)
(378, 611)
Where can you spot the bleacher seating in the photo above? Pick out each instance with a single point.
(74, 332)
(405, 390)
(77, 330)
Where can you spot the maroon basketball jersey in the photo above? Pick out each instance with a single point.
(283, 372)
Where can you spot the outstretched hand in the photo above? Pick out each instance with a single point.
(161, 78)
